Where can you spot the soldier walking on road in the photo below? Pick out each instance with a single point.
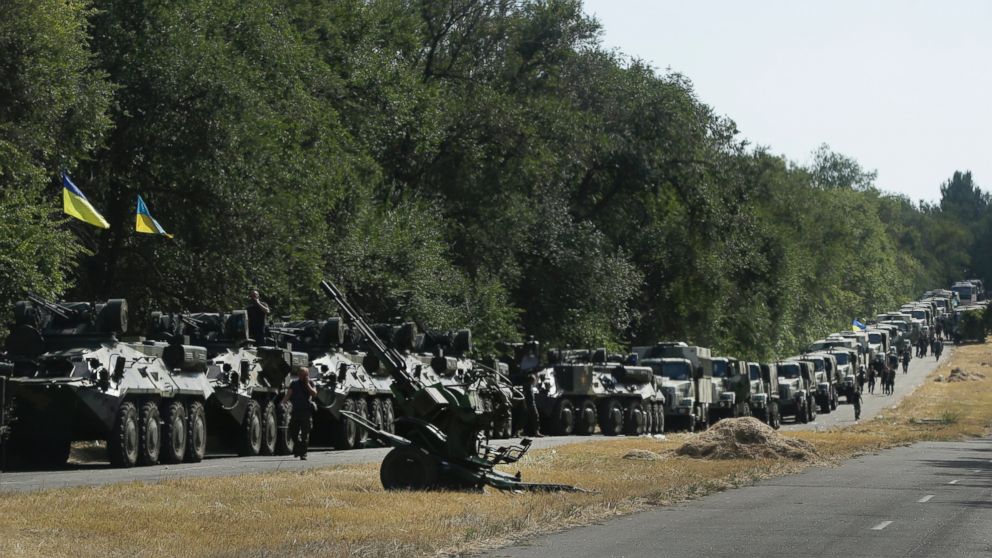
(856, 399)
(938, 347)
(532, 424)
(871, 380)
(905, 361)
(300, 394)
(862, 378)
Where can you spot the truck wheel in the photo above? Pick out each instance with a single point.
(378, 416)
(149, 435)
(659, 418)
(635, 420)
(585, 423)
(811, 409)
(762, 415)
(563, 420)
(270, 429)
(611, 418)
(251, 430)
(362, 408)
(833, 400)
(344, 432)
(407, 468)
(196, 435)
(284, 443)
(801, 414)
(690, 423)
(776, 418)
(389, 412)
(174, 433)
(122, 445)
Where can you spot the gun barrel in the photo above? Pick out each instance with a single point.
(57, 309)
(394, 362)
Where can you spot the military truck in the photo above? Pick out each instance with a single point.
(878, 342)
(73, 380)
(847, 371)
(797, 390)
(586, 388)
(825, 373)
(765, 393)
(686, 375)
(732, 386)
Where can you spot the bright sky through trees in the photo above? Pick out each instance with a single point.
(902, 86)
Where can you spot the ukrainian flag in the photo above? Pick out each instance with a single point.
(857, 326)
(146, 223)
(75, 203)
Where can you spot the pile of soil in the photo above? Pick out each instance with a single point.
(642, 455)
(746, 438)
(958, 375)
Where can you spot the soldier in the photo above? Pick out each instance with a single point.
(905, 360)
(532, 419)
(257, 311)
(862, 378)
(871, 379)
(300, 394)
(856, 399)
(938, 347)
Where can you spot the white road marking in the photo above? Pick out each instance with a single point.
(925, 499)
(955, 481)
(881, 526)
(976, 471)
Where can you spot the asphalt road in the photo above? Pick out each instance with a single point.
(931, 499)
(102, 473)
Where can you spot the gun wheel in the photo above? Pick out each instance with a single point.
(408, 468)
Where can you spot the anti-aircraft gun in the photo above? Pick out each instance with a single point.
(71, 379)
(245, 409)
(438, 440)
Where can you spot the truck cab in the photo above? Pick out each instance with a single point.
(687, 381)
(765, 393)
(795, 380)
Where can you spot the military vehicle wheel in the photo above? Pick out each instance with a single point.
(585, 420)
(122, 445)
(776, 419)
(408, 468)
(251, 430)
(344, 432)
(270, 429)
(284, 443)
(362, 408)
(811, 409)
(375, 410)
(635, 420)
(833, 401)
(113, 316)
(390, 413)
(659, 420)
(149, 434)
(611, 418)
(690, 423)
(563, 419)
(174, 434)
(196, 433)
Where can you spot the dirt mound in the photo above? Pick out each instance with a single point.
(642, 455)
(746, 438)
(958, 375)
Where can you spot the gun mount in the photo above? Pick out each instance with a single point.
(438, 441)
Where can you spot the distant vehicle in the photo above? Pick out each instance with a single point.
(796, 383)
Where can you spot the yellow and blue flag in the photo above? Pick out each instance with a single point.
(145, 222)
(75, 203)
(857, 326)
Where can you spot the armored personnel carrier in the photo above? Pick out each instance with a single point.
(246, 410)
(686, 375)
(585, 388)
(346, 377)
(71, 379)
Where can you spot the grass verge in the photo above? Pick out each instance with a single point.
(343, 511)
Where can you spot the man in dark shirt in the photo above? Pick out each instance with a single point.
(856, 399)
(300, 394)
(532, 425)
(257, 311)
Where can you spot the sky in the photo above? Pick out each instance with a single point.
(902, 86)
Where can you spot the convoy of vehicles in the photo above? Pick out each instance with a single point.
(198, 384)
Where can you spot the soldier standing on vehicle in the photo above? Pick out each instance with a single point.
(532, 423)
(300, 395)
(856, 399)
(257, 312)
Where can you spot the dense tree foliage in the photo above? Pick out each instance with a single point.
(463, 162)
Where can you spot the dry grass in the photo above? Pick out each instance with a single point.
(343, 511)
